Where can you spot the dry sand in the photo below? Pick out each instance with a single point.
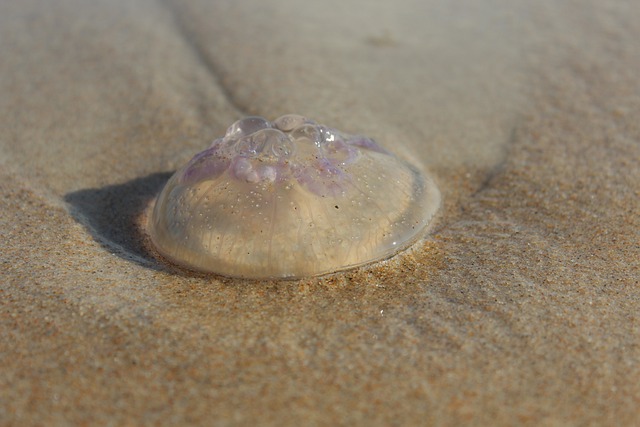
(521, 307)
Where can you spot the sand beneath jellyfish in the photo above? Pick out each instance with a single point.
(520, 308)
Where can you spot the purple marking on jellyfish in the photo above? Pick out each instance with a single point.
(208, 164)
(216, 143)
(250, 170)
(366, 143)
(322, 177)
(339, 152)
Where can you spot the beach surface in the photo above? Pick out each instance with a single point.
(520, 307)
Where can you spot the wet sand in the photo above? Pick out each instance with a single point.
(520, 307)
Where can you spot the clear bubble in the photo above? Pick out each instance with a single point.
(246, 126)
(290, 199)
(307, 133)
(290, 121)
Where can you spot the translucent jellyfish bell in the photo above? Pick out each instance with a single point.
(289, 199)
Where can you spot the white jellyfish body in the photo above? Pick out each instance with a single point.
(289, 199)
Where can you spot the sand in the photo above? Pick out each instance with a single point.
(519, 308)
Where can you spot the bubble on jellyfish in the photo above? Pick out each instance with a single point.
(288, 199)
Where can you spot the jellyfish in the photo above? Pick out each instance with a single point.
(289, 199)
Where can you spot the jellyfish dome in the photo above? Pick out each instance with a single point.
(288, 199)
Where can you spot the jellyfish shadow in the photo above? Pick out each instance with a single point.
(113, 216)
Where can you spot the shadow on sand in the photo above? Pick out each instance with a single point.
(113, 215)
